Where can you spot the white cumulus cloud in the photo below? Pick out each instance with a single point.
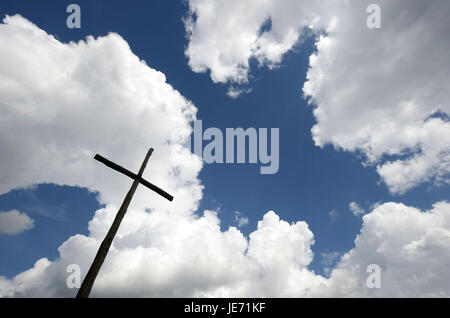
(179, 256)
(240, 219)
(66, 102)
(225, 35)
(381, 92)
(14, 222)
(384, 91)
(411, 247)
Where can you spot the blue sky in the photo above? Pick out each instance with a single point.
(311, 181)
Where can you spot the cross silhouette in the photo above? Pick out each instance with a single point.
(88, 281)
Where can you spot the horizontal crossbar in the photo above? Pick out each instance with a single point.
(133, 176)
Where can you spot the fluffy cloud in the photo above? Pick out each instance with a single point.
(64, 102)
(328, 260)
(382, 92)
(411, 247)
(13, 222)
(60, 103)
(162, 255)
(225, 35)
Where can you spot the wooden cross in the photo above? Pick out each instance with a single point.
(88, 281)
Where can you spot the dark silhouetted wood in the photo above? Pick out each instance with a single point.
(130, 174)
(89, 280)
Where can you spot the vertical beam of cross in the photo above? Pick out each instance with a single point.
(88, 281)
